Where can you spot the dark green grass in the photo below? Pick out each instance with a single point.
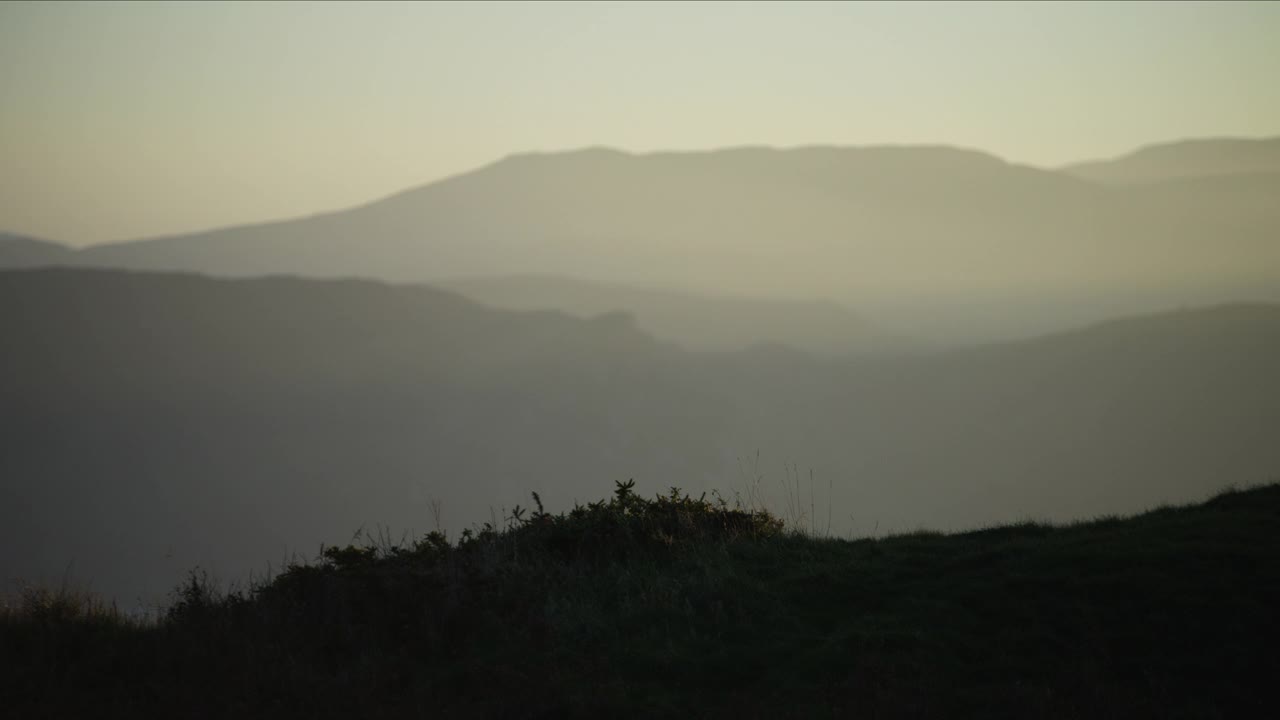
(681, 607)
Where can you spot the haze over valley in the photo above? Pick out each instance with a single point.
(158, 421)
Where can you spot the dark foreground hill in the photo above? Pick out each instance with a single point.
(679, 607)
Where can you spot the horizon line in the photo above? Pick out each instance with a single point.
(637, 154)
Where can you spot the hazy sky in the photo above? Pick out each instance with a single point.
(126, 120)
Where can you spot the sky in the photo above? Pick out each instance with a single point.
(128, 120)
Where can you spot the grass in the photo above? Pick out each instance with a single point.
(681, 606)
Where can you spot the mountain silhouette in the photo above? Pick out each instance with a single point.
(19, 251)
(931, 240)
(1185, 159)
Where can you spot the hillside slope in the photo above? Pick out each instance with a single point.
(675, 608)
(19, 251)
(155, 422)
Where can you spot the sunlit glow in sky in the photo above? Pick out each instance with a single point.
(123, 120)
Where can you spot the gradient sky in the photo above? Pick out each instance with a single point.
(121, 120)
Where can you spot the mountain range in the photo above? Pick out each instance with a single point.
(934, 242)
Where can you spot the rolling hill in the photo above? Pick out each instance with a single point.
(18, 251)
(154, 422)
(671, 606)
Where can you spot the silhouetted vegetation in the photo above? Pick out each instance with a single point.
(681, 605)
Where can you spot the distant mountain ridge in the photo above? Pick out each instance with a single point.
(927, 239)
(1184, 160)
(20, 251)
(694, 321)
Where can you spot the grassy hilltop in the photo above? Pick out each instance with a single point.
(683, 606)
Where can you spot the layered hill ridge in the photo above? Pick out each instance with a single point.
(1185, 159)
(922, 238)
(20, 251)
(605, 215)
(154, 422)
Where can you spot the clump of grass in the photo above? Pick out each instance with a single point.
(60, 605)
(627, 527)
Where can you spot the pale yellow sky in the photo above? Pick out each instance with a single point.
(136, 119)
